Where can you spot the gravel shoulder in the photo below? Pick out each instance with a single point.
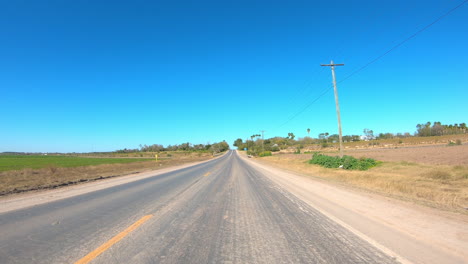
(416, 233)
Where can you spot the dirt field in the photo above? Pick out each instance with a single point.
(432, 155)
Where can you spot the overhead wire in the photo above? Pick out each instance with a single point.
(402, 42)
(325, 91)
(303, 91)
(306, 91)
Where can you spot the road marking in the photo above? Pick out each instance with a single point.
(206, 174)
(98, 251)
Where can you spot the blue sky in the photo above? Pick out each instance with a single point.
(80, 76)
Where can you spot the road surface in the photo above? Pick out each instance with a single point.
(221, 211)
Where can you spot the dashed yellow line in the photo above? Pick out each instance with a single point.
(98, 251)
(206, 174)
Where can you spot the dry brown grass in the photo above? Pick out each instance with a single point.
(441, 186)
(52, 177)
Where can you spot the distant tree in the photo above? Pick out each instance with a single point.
(351, 138)
(308, 131)
(323, 135)
(368, 134)
(385, 136)
(184, 146)
(254, 136)
(306, 141)
(333, 138)
(438, 129)
(238, 143)
(219, 147)
(463, 127)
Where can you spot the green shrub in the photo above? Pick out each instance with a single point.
(347, 162)
(264, 153)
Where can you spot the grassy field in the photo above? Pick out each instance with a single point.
(434, 176)
(20, 173)
(18, 162)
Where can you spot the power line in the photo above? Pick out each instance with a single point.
(374, 60)
(302, 92)
(325, 91)
(402, 42)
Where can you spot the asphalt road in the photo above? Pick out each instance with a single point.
(222, 211)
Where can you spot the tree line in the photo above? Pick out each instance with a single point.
(439, 129)
(255, 145)
(215, 147)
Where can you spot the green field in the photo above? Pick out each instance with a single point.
(18, 162)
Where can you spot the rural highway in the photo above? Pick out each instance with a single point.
(220, 211)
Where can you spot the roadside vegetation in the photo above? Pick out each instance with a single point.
(346, 162)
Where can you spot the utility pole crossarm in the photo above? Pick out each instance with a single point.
(338, 64)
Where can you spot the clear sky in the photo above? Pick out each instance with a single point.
(80, 76)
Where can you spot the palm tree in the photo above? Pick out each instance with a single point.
(463, 127)
(308, 131)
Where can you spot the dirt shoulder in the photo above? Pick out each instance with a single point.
(414, 233)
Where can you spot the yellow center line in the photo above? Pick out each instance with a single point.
(206, 174)
(98, 251)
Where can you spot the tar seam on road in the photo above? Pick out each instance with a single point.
(98, 251)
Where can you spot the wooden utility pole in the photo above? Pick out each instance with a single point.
(332, 65)
(263, 144)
